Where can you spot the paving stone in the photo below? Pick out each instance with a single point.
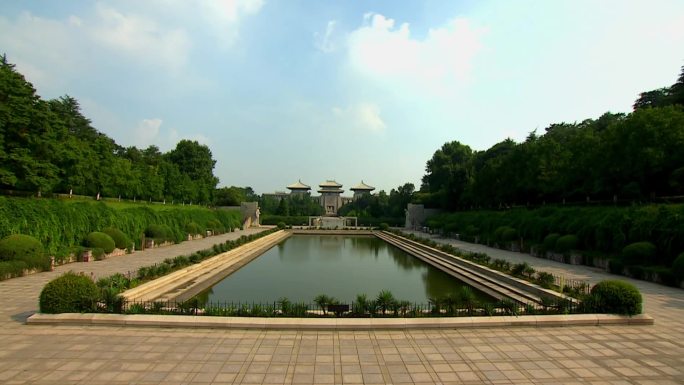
(605, 354)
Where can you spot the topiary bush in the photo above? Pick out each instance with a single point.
(281, 225)
(121, 240)
(69, 293)
(566, 243)
(193, 228)
(638, 253)
(100, 240)
(19, 247)
(678, 268)
(384, 226)
(616, 297)
(160, 233)
(550, 241)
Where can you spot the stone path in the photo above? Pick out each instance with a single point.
(110, 355)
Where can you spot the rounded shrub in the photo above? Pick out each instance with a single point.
(121, 240)
(100, 240)
(616, 297)
(678, 267)
(19, 247)
(69, 293)
(550, 241)
(281, 225)
(505, 234)
(638, 253)
(384, 226)
(193, 228)
(159, 232)
(566, 243)
(509, 234)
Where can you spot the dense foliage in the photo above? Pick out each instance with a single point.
(616, 297)
(381, 205)
(49, 146)
(70, 293)
(100, 240)
(630, 157)
(21, 252)
(121, 240)
(606, 230)
(62, 224)
(296, 205)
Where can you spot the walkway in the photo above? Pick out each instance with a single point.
(106, 355)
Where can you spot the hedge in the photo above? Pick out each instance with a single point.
(69, 293)
(566, 243)
(605, 229)
(642, 253)
(121, 240)
(616, 297)
(24, 248)
(61, 224)
(678, 268)
(100, 240)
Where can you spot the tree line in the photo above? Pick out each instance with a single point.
(635, 156)
(50, 146)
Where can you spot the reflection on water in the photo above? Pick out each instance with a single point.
(304, 266)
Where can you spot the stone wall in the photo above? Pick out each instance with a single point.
(417, 214)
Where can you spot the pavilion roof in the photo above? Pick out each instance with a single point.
(362, 187)
(299, 186)
(330, 183)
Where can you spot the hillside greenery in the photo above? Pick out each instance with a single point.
(62, 224)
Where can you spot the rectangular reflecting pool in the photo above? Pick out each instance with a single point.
(304, 266)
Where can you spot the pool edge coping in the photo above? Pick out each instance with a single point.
(211, 322)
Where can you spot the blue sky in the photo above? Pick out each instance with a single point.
(315, 90)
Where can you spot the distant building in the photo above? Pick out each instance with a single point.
(299, 188)
(331, 196)
(361, 189)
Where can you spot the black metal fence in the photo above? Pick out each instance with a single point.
(445, 308)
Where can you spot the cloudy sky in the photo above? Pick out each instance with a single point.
(315, 90)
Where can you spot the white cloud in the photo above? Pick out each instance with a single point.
(140, 37)
(384, 52)
(223, 17)
(147, 132)
(323, 42)
(360, 117)
(150, 132)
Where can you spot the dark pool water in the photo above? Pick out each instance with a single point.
(304, 266)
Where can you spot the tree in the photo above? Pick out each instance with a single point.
(195, 161)
(448, 173)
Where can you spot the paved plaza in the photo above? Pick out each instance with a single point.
(118, 355)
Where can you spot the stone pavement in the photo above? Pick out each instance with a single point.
(112, 355)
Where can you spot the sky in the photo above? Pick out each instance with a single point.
(316, 90)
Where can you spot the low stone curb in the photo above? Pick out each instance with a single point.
(209, 322)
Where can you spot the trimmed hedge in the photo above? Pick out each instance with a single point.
(678, 268)
(61, 224)
(121, 240)
(550, 241)
(616, 297)
(69, 293)
(638, 253)
(160, 233)
(24, 248)
(566, 243)
(100, 240)
(193, 228)
(601, 229)
(19, 246)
